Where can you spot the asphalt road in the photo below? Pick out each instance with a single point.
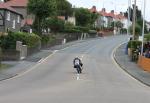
(54, 80)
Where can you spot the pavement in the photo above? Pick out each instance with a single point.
(131, 67)
(120, 57)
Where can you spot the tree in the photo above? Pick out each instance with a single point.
(140, 22)
(138, 13)
(139, 19)
(64, 8)
(84, 17)
(138, 30)
(54, 23)
(41, 9)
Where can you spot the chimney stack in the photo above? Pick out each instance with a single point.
(103, 10)
(112, 11)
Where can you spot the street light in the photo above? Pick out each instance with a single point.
(129, 4)
(134, 15)
(143, 27)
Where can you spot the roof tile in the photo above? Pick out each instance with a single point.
(5, 6)
(18, 3)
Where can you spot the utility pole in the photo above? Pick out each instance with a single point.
(129, 11)
(115, 31)
(143, 27)
(134, 17)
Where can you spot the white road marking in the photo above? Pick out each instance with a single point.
(82, 57)
(55, 51)
(41, 60)
(78, 77)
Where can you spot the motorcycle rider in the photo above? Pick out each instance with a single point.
(78, 64)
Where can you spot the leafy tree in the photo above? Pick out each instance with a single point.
(41, 9)
(117, 24)
(54, 23)
(138, 30)
(140, 22)
(84, 17)
(93, 18)
(138, 13)
(64, 8)
(139, 19)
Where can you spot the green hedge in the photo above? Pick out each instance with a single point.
(45, 39)
(72, 31)
(9, 41)
(134, 43)
(123, 30)
(147, 36)
(82, 29)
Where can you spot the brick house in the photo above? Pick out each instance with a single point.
(10, 19)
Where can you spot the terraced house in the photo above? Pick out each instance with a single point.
(106, 18)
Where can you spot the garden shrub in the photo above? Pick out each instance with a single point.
(82, 29)
(147, 36)
(45, 39)
(123, 30)
(9, 41)
(134, 43)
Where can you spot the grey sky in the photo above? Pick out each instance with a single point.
(118, 5)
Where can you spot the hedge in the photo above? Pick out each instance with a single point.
(45, 39)
(9, 41)
(134, 43)
(147, 36)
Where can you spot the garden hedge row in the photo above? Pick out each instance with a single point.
(9, 41)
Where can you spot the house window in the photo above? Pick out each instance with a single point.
(14, 24)
(8, 16)
(18, 19)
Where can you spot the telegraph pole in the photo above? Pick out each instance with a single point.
(143, 27)
(134, 17)
(129, 11)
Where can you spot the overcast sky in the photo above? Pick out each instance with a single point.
(118, 5)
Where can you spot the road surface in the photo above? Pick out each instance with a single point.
(54, 80)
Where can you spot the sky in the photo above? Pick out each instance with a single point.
(117, 5)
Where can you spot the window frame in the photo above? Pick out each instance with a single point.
(8, 16)
(14, 24)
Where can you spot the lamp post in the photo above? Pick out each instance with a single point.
(115, 18)
(129, 11)
(143, 27)
(134, 17)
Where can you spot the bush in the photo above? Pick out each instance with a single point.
(134, 43)
(32, 40)
(123, 30)
(9, 41)
(147, 36)
(92, 33)
(72, 31)
(138, 30)
(45, 39)
(54, 23)
(82, 29)
(68, 25)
